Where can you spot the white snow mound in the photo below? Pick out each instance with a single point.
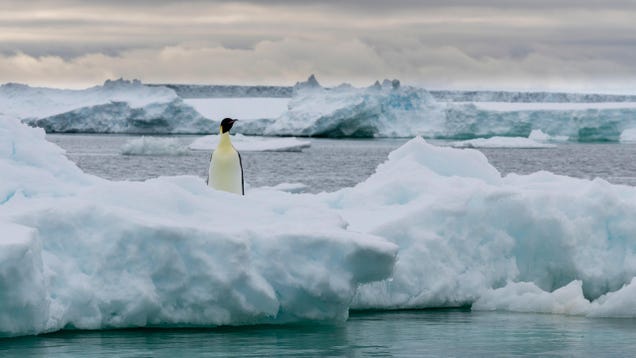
(82, 252)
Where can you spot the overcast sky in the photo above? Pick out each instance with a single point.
(585, 45)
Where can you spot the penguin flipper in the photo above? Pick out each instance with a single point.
(242, 179)
(207, 180)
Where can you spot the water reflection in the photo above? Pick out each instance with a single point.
(400, 333)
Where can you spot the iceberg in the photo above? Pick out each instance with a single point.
(464, 230)
(252, 143)
(388, 110)
(118, 106)
(502, 142)
(345, 111)
(82, 252)
(432, 227)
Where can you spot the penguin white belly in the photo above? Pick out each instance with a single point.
(226, 172)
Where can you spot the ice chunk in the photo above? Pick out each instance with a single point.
(462, 230)
(253, 144)
(432, 227)
(22, 283)
(628, 135)
(404, 111)
(116, 107)
(569, 299)
(502, 142)
(166, 252)
(154, 146)
(345, 111)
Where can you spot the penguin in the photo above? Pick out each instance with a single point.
(226, 167)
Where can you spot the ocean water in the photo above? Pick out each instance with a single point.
(450, 332)
(329, 165)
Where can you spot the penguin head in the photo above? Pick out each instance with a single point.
(226, 124)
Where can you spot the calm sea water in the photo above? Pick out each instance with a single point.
(332, 164)
(459, 333)
(329, 165)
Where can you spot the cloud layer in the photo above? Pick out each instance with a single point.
(587, 46)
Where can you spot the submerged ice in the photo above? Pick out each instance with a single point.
(432, 227)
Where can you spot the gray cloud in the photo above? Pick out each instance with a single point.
(457, 43)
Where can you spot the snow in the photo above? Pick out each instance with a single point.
(432, 227)
(384, 110)
(287, 187)
(154, 146)
(241, 108)
(81, 252)
(568, 300)
(628, 135)
(345, 111)
(537, 106)
(253, 144)
(116, 107)
(465, 231)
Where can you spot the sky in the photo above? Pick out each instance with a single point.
(579, 46)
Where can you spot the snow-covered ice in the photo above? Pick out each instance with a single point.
(83, 252)
(384, 110)
(118, 106)
(241, 108)
(628, 135)
(433, 227)
(154, 146)
(542, 106)
(381, 110)
(463, 230)
(502, 142)
(253, 143)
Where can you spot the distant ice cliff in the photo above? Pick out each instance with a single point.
(118, 106)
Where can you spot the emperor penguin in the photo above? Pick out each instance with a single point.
(226, 168)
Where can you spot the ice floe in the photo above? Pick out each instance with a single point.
(118, 106)
(432, 227)
(253, 143)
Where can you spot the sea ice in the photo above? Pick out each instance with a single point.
(628, 135)
(82, 252)
(464, 230)
(154, 146)
(502, 142)
(253, 144)
(432, 227)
